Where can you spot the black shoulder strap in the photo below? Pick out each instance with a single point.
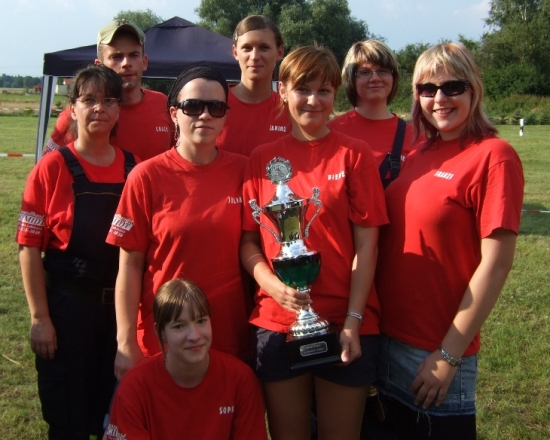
(129, 163)
(392, 162)
(73, 164)
(78, 172)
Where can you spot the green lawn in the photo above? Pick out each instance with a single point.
(514, 380)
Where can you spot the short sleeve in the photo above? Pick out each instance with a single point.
(132, 221)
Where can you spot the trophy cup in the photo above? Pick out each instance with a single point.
(311, 340)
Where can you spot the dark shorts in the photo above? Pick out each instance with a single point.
(271, 362)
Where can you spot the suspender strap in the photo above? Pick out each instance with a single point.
(392, 162)
(129, 163)
(73, 164)
(78, 173)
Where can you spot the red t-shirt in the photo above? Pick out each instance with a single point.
(227, 404)
(344, 170)
(445, 201)
(186, 218)
(251, 125)
(47, 209)
(379, 133)
(144, 129)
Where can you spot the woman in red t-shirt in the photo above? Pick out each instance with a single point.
(371, 79)
(187, 390)
(444, 258)
(345, 233)
(180, 215)
(255, 117)
(68, 204)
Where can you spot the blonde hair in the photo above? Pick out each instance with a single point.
(170, 301)
(369, 51)
(454, 59)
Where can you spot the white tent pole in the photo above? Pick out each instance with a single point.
(46, 99)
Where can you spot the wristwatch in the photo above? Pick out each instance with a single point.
(451, 360)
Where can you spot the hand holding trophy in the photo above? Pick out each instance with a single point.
(311, 340)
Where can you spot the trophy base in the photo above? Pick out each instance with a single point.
(315, 350)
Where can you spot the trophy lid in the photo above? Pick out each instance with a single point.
(279, 170)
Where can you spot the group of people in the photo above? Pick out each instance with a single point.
(144, 274)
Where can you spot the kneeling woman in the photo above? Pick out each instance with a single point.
(188, 390)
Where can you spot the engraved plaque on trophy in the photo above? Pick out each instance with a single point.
(311, 340)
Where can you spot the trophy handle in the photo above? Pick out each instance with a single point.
(315, 200)
(256, 211)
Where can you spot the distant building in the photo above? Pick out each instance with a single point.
(62, 89)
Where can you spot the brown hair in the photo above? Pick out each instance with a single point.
(454, 59)
(308, 63)
(257, 23)
(170, 301)
(369, 51)
(102, 79)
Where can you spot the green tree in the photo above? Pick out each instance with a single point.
(29, 82)
(515, 55)
(222, 16)
(407, 57)
(506, 12)
(17, 82)
(144, 19)
(472, 45)
(302, 22)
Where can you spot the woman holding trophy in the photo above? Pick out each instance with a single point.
(349, 208)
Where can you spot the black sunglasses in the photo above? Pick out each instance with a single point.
(195, 107)
(450, 88)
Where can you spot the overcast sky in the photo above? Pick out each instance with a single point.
(31, 28)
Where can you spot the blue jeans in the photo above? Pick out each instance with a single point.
(397, 364)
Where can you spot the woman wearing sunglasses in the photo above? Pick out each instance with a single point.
(180, 216)
(371, 79)
(255, 117)
(444, 258)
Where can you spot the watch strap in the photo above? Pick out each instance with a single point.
(450, 359)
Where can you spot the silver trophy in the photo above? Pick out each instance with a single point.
(311, 340)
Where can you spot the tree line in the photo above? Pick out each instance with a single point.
(513, 56)
(19, 82)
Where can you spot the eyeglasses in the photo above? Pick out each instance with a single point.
(195, 107)
(367, 73)
(93, 102)
(450, 88)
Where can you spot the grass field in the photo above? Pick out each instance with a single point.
(21, 101)
(514, 379)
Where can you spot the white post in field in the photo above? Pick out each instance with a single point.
(521, 125)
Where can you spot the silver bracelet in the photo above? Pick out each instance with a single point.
(355, 315)
(451, 360)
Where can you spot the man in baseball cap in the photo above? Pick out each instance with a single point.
(107, 32)
(144, 127)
